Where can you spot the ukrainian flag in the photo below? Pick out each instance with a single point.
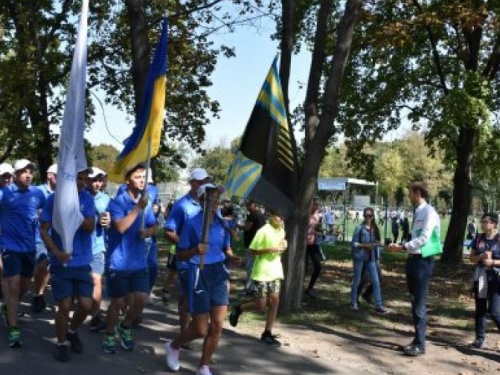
(150, 119)
(265, 165)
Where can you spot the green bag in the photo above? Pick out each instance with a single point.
(433, 246)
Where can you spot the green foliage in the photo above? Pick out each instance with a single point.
(102, 156)
(216, 161)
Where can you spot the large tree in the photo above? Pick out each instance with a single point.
(433, 64)
(36, 47)
(321, 109)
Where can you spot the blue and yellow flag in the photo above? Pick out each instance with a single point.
(151, 113)
(265, 165)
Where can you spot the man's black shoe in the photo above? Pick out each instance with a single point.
(414, 351)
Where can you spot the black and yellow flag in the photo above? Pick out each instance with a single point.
(265, 166)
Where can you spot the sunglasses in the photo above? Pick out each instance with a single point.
(485, 221)
(368, 215)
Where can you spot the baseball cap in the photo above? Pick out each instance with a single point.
(52, 169)
(95, 172)
(23, 163)
(203, 188)
(6, 168)
(198, 174)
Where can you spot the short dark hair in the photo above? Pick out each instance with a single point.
(492, 215)
(421, 187)
(137, 167)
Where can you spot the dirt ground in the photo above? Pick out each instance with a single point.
(363, 342)
(448, 351)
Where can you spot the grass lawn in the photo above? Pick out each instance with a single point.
(449, 303)
(450, 306)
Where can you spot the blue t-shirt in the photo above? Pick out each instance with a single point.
(219, 239)
(151, 189)
(184, 209)
(46, 192)
(20, 217)
(82, 242)
(127, 251)
(152, 248)
(101, 202)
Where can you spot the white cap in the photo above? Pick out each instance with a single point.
(203, 188)
(23, 163)
(52, 169)
(95, 172)
(85, 169)
(198, 174)
(6, 168)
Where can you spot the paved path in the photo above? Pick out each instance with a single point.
(237, 353)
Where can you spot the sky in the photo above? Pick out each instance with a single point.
(236, 84)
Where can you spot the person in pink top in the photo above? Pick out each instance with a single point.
(313, 250)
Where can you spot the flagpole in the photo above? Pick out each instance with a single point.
(148, 163)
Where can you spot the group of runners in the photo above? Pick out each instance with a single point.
(116, 242)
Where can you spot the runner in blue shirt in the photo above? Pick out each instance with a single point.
(20, 204)
(152, 248)
(41, 276)
(99, 244)
(6, 174)
(70, 273)
(151, 243)
(208, 295)
(127, 258)
(184, 209)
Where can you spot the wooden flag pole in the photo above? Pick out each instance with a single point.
(148, 163)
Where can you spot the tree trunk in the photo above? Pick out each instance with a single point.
(297, 227)
(140, 48)
(288, 19)
(462, 193)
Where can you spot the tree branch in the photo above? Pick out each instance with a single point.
(315, 72)
(435, 53)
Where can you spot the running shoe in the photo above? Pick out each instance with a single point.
(74, 341)
(203, 370)
(125, 335)
(234, 316)
(172, 357)
(109, 345)
(270, 340)
(61, 353)
(14, 337)
(38, 304)
(97, 323)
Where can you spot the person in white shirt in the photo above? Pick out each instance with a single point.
(418, 268)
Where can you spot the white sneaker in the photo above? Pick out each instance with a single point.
(203, 370)
(172, 357)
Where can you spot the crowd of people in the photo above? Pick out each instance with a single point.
(116, 242)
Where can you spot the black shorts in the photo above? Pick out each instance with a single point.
(172, 262)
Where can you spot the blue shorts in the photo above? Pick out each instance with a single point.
(71, 282)
(97, 264)
(209, 288)
(41, 252)
(18, 263)
(121, 283)
(183, 275)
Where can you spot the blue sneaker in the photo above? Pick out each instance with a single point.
(125, 335)
(14, 337)
(109, 345)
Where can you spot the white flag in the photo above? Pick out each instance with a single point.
(66, 216)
